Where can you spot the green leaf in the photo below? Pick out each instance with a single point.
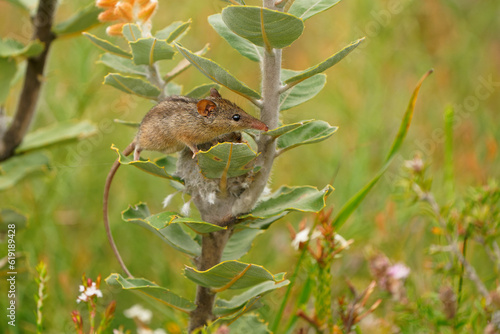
(239, 244)
(202, 90)
(231, 159)
(302, 92)
(307, 8)
(217, 74)
(323, 66)
(163, 167)
(152, 290)
(8, 70)
(309, 133)
(249, 323)
(180, 30)
(232, 275)
(19, 166)
(56, 134)
(172, 234)
(241, 2)
(164, 219)
(9, 216)
(303, 199)
(175, 30)
(132, 85)
(172, 88)
(134, 125)
(240, 44)
(132, 32)
(262, 26)
(351, 205)
(227, 307)
(84, 19)
(13, 48)
(107, 46)
(285, 128)
(147, 51)
(263, 223)
(124, 65)
(28, 5)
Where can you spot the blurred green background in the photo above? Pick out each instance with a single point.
(366, 95)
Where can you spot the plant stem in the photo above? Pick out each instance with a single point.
(228, 209)
(471, 272)
(211, 252)
(33, 78)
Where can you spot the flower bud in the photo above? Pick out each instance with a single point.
(125, 10)
(108, 15)
(115, 29)
(106, 3)
(147, 11)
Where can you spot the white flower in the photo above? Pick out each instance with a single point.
(139, 312)
(398, 271)
(87, 292)
(303, 235)
(342, 242)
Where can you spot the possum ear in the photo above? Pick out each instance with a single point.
(215, 93)
(205, 107)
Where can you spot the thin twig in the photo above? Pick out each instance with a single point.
(471, 272)
(33, 79)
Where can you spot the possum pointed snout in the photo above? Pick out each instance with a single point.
(258, 125)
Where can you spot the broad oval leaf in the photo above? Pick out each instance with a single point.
(307, 8)
(13, 48)
(163, 219)
(8, 70)
(171, 88)
(249, 323)
(302, 92)
(303, 199)
(121, 64)
(201, 90)
(152, 290)
(172, 234)
(132, 32)
(232, 275)
(174, 31)
(55, 134)
(231, 159)
(132, 85)
(83, 19)
(262, 26)
(309, 133)
(239, 244)
(107, 46)
(285, 128)
(9, 216)
(19, 166)
(179, 31)
(240, 44)
(323, 66)
(217, 74)
(27, 5)
(227, 307)
(163, 167)
(262, 223)
(147, 51)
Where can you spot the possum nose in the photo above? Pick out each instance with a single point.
(258, 125)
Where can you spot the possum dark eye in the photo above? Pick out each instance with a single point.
(236, 117)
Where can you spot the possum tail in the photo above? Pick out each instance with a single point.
(109, 179)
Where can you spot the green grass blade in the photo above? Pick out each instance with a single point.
(356, 200)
